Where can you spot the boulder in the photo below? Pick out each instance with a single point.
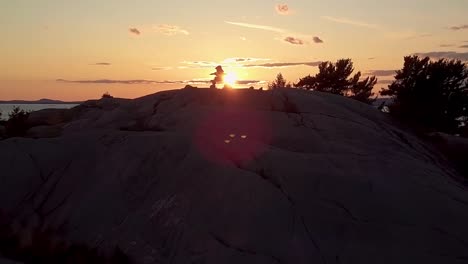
(48, 117)
(455, 148)
(2, 131)
(6, 261)
(44, 131)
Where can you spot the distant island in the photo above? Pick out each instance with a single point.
(40, 101)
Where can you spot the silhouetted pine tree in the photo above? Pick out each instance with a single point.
(336, 78)
(16, 125)
(279, 82)
(362, 90)
(331, 78)
(431, 94)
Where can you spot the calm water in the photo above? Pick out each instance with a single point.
(5, 109)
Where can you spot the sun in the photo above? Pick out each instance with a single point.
(230, 79)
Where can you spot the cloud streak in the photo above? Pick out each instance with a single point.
(459, 27)
(406, 35)
(283, 64)
(201, 64)
(249, 82)
(423, 35)
(171, 30)
(255, 26)
(102, 64)
(382, 72)
(348, 21)
(149, 82)
(107, 81)
(243, 60)
(282, 9)
(463, 56)
(134, 31)
(385, 81)
(229, 62)
(286, 35)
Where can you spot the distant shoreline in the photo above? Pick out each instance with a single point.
(37, 102)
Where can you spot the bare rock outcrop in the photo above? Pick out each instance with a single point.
(240, 176)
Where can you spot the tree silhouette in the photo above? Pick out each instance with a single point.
(336, 78)
(107, 95)
(362, 90)
(432, 94)
(47, 245)
(2, 127)
(16, 125)
(308, 82)
(279, 82)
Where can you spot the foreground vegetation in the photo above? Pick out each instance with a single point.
(46, 246)
(425, 94)
(16, 125)
(430, 94)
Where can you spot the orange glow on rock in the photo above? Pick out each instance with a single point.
(210, 136)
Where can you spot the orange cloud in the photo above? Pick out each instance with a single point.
(171, 30)
(282, 9)
(255, 26)
(294, 41)
(317, 40)
(348, 21)
(134, 31)
(284, 64)
(460, 27)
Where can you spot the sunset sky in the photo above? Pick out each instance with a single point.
(76, 50)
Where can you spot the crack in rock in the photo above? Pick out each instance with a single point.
(290, 109)
(246, 251)
(160, 101)
(39, 209)
(275, 184)
(336, 204)
(347, 120)
(341, 206)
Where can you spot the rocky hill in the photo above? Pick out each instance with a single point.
(236, 176)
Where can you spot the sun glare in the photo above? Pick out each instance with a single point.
(230, 79)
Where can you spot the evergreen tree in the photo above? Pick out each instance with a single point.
(432, 94)
(362, 90)
(279, 82)
(337, 78)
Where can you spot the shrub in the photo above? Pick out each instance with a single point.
(16, 125)
(45, 246)
(107, 95)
